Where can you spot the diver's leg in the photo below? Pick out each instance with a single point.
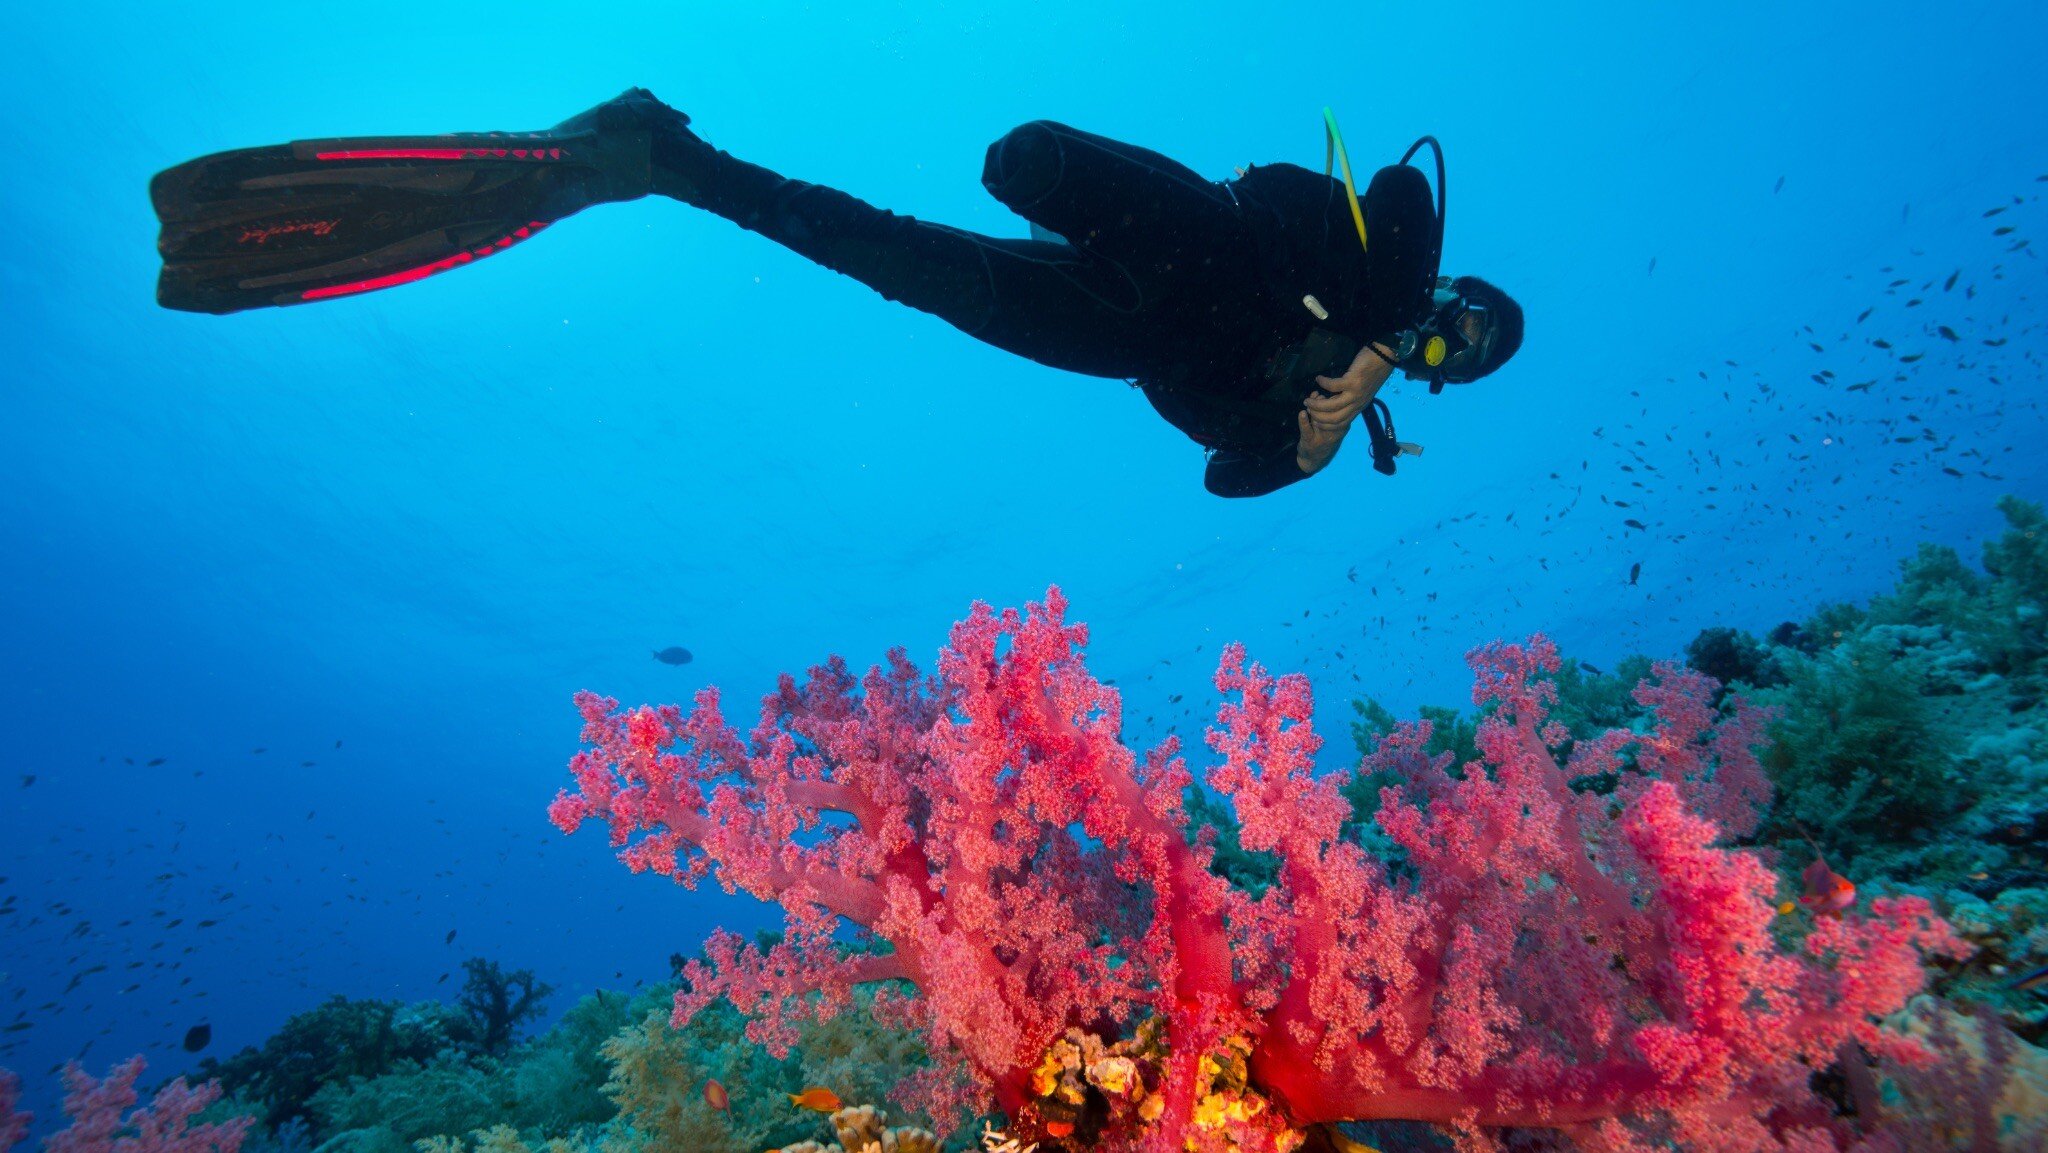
(1128, 203)
(1040, 300)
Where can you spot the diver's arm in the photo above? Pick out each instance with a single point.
(1235, 473)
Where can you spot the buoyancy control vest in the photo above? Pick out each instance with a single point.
(1391, 296)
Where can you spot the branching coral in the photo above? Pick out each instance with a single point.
(104, 1117)
(1597, 964)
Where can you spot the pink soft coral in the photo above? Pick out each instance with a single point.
(1539, 956)
(13, 1122)
(104, 1118)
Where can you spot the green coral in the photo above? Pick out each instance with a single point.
(326, 1066)
(610, 1077)
(1997, 618)
(1908, 741)
(1450, 731)
(498, 1003)
(658, 1076)
(501, 1139)
(1210, 820)
(1590, 701)
(339, 1040)
(448, 1093)
(559, 1079)
(1733, 657)
(1859, 758)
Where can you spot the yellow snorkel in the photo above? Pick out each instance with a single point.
(1433, 346)
(1425, 339)
(1333, 150)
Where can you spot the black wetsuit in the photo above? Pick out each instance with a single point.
(1189, 287)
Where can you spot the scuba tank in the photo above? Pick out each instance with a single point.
(1430, 326)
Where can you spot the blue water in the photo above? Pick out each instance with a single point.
(384, 539)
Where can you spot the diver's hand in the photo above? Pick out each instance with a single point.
(1344, 397)
(1317, 445)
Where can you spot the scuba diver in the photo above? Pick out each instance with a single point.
(1260, 315)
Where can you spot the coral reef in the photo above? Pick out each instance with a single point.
(104, 1119)
(344, 1041)
(497, 1003)
(1524, 923)
(1550, 957)
(611, 1076)
(1983, 1090)
(13, 1122)
(658, 1074)
(865, 1129)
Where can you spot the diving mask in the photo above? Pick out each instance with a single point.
(1450, 346)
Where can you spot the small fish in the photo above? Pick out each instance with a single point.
(1946, 332)
(1785, 907)
(1058, 1128)
(715, 1096)
(449, 939)
(1635, 570)
(1636, 524)
(1827, 892)
(1775, 188)
(198, 1037)
(155, 762)
(817, 1100)
(674, 655)
(1653, 267)
(2035, 980)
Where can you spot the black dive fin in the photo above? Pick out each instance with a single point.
(317, 219)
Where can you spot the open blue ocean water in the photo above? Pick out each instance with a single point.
(292, 602)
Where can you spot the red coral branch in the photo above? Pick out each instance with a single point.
(104, 1118)
(13, 1122)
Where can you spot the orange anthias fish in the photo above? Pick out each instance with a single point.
(821, 1100)
(1827, 893)
(715, 1095)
